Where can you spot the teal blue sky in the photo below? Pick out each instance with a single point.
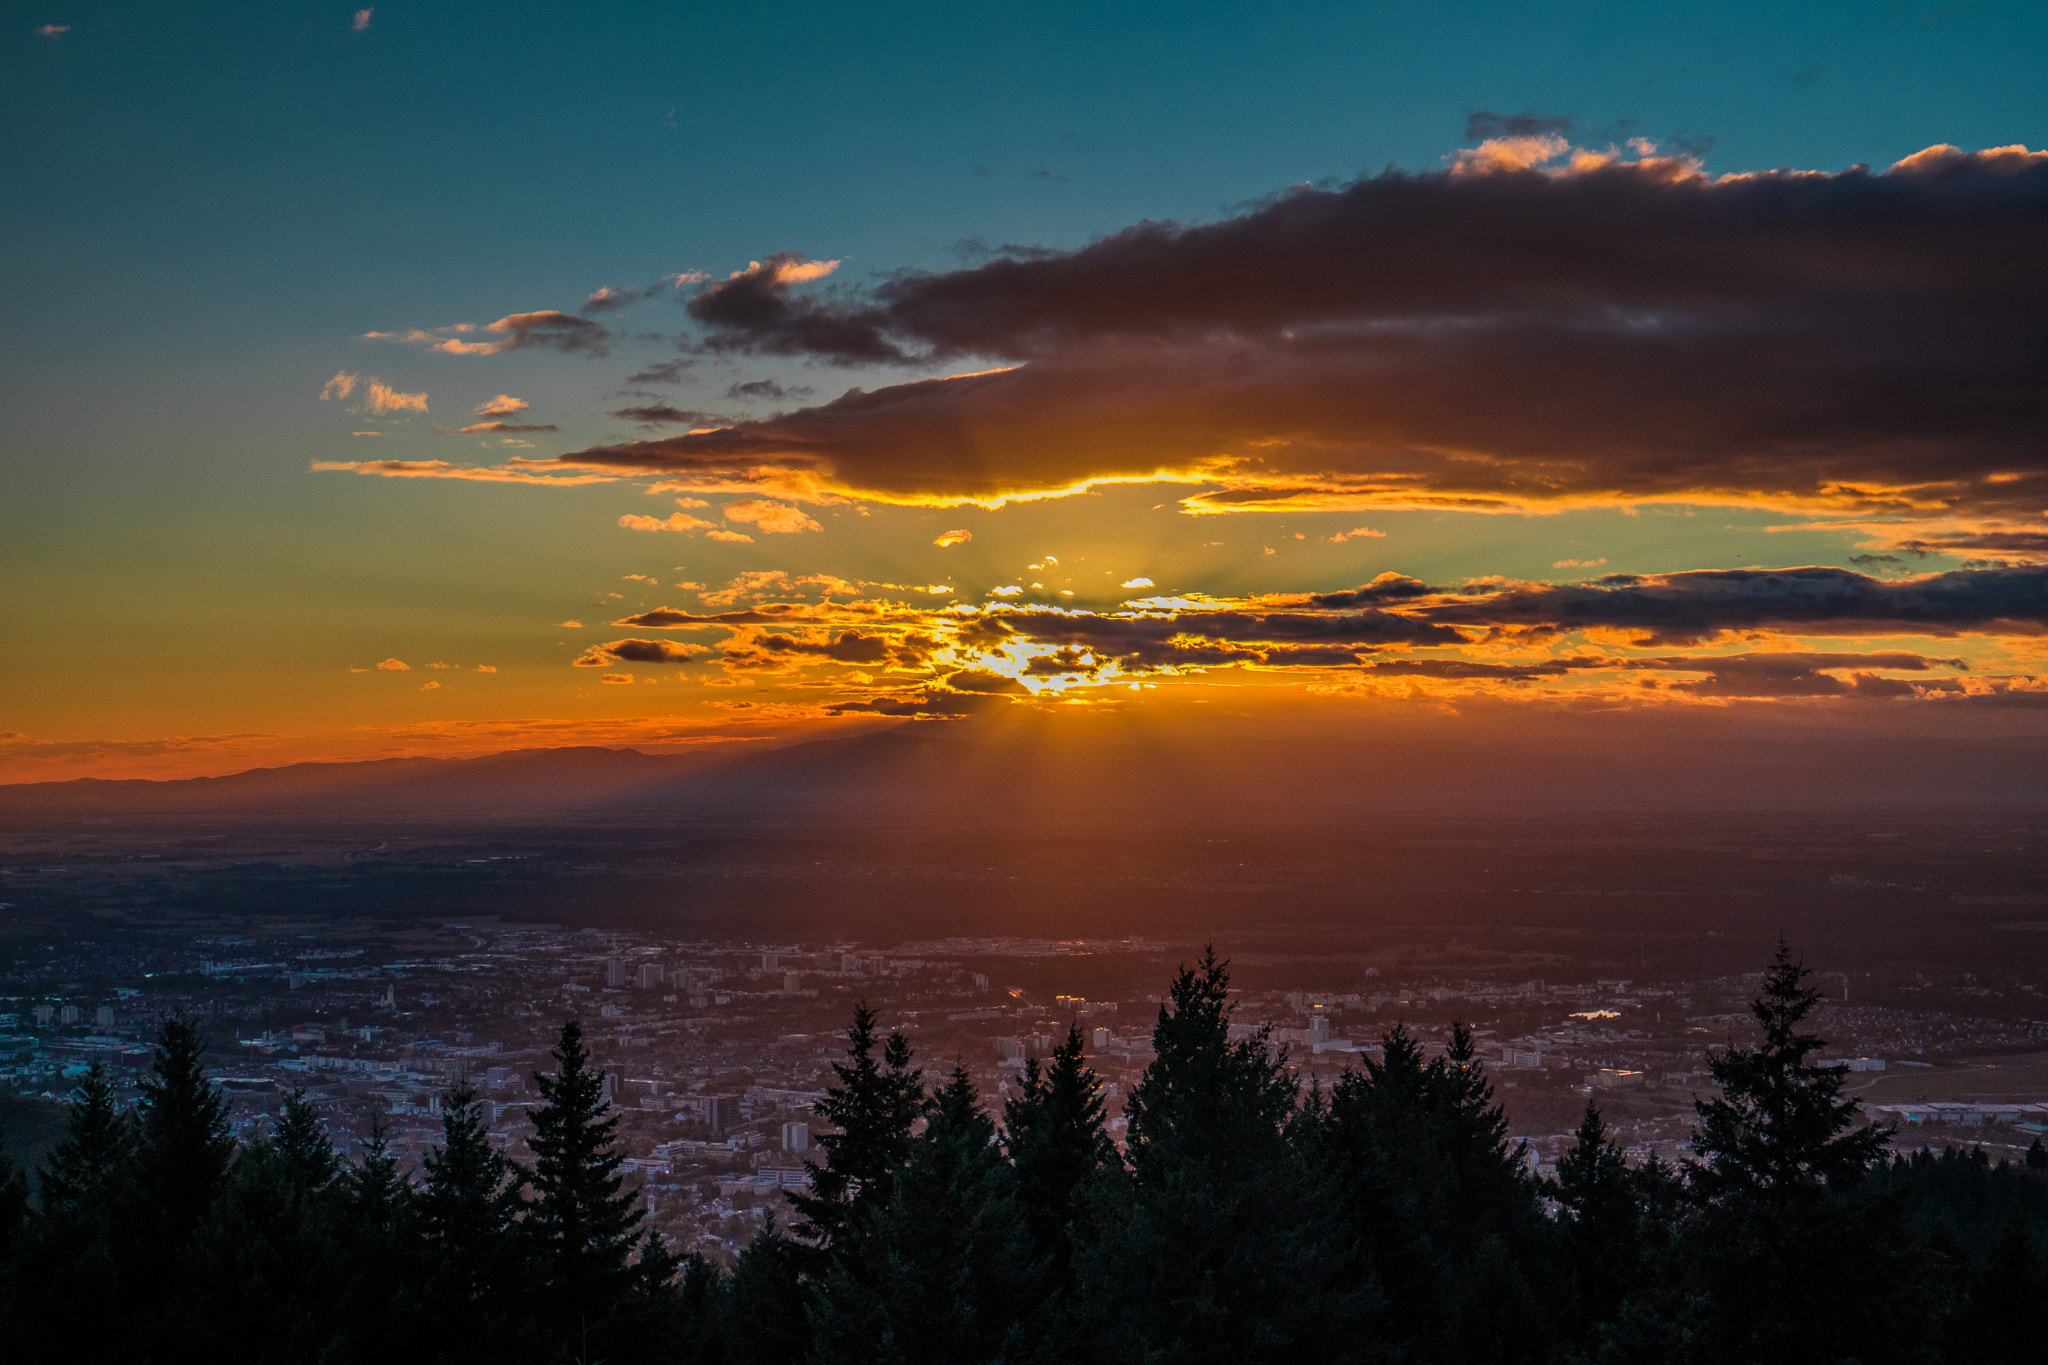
(206, 211)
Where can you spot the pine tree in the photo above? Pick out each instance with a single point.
(256, 1284)
(942, 1271)
(379, 1295)
(1784, 1259)
(1057, 1138)
(184, 1146)
(1601, 1221)
(1438, 1200)
(873, 1108)
(303, 1147)
(2037, 1156)
(583, 1226)
(468, 1206)
(85, 1170)
(1220, 1244)
(1782, 1128)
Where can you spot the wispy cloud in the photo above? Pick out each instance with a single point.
(362, 19)
(381, 398)
(340, 387)
(53, 31)
(548, 475)
(952, 538)
(504, 405)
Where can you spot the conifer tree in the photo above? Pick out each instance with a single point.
(184, 1146)
(302, 1146)
(468, 1207)
(84, 1170)
(380, 1312)
(582, 1225)
(1781, 1129)
(1600, 1221)
(256, 1284)
(1220, 1244)
(942, 1271)
(873, 1109)
(1056, 1135)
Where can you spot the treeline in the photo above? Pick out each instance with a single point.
(1387, 1218)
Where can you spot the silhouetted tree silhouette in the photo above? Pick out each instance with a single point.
(583, 1227)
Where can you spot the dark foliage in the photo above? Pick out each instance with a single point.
(1386, 1220)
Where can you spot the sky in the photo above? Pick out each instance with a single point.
(457, 378)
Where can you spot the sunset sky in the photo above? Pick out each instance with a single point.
(449, 379)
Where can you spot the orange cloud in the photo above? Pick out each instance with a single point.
(442, 469)
(341, 386)
(394, 666)
(674, 521)
(504, 405)
(952, 538)
(383, 398)
(736, 537)
(774, 518)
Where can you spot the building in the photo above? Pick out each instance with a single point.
(649, 975)
(796, 1137)
(1522, 1058)
(1318, 1030)
(103, 1018)
(792, 982)
(615, 974)
(771, 962)
(1010, 1051)
(721, 1112)
(68, 1015)
(1099, 1039)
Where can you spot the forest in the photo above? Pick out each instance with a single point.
(1388, 1218)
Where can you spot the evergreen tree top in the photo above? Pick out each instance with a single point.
(1782, 1127)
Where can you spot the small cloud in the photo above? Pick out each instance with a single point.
(640, 578)
(366, 433)
(1138, 583)
(486, 668)
(53, 31)
(661, 413)
(605, 299)
(1357, 533)
(384, 398)
(953, 538)
(394, 666)
(690, 502)
(430, 687)
(663, 372)
(362, 19)
(438, 664)
(774, 518)
(570, 625)
(475, 427)
(504, 405)
(1011, 591)
(768, 389)
(674, 521)
(738, 536)
(616, 678)
(512, 441)
(1579, 563)
(341, 386)
(1266, 550)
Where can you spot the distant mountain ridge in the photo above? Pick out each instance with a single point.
(965, 769)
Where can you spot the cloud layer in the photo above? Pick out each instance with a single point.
(1537, 326)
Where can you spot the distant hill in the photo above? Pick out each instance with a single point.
(969, 769)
